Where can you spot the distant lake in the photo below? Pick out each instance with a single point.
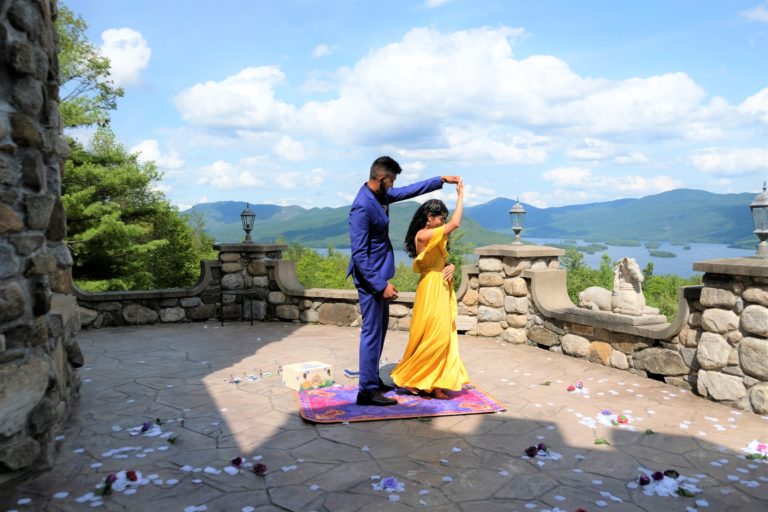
(681, 265)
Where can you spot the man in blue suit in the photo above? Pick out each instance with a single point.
(372, 265)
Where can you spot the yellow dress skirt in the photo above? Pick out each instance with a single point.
(431, 359)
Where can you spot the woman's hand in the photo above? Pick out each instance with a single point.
(448, 272)
(460, 188)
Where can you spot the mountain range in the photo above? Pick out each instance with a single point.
(680, 216)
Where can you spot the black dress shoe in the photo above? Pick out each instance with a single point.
(375, 398)
(385, 387)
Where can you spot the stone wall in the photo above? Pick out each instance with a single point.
(198, 303)
(252, 281)
(38, 321)
(716, 345)
(729, 331)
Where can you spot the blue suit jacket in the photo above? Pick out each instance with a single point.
(372, 262)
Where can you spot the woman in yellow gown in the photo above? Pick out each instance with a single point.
(431, 363)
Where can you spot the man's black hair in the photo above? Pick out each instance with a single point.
(384, 164)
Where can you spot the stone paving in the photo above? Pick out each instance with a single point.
(186, 376)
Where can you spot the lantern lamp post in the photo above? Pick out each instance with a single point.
(759, 209)
(516, 214)
(247, 216)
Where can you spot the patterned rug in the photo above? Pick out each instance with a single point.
(336, 404)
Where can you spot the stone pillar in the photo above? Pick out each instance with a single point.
(38, 321)
(730, 332)
(246, 272)
(503, 296)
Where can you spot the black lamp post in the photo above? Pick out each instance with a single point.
(247, 217)
(759, 209)
(516, 214)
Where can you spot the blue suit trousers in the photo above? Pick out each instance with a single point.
(375, 311)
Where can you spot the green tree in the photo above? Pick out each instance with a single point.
(124, 235)
(662, 292)
(648, 270)
(88, 93)
(314, 270)
(573, 260)
(122, 232)
(605, 272)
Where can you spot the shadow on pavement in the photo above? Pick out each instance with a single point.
(185, 376)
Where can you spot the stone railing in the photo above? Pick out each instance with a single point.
(715, 345)
(198, 303)
(251, 280)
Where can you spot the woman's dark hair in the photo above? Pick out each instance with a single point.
(432, 207)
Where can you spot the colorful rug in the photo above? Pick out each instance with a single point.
(336, 404)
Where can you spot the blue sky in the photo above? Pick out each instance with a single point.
(554, 102)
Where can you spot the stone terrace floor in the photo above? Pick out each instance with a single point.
(457, 463)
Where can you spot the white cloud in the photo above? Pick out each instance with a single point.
(756, 105)
(245, 100)
(162, 187)
(598, 150)
(759, 14)
(128, 53)
(316, 177)
(635, 157)
(287, 180)
(721, 183)
(323, 50)
(731, 162)
(290, 149)
(435, 3)
(481, 104)
(290, 180)
(475, 194)
(593, 149)
(346, 197)
(150, 150)
(535, 199)
(224, 175)
(580, 184)
(480, 145)
(567, 176)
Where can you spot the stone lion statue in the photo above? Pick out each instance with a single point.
(627, 296)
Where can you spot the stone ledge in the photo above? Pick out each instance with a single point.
(753, 267)
(549, 292)
(285, 277)
(520, 251)
(206, 271)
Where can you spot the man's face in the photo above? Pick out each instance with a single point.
(386, 182)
